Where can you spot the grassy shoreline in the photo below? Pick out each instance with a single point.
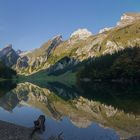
(66, 78)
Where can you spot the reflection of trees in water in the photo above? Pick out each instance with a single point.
(107, 103)
(63, 91)
(125, 97)
(122, 96)
(58, 100)
(6, 86)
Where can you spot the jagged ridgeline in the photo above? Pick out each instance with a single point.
(60, 56)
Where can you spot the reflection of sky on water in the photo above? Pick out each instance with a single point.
(25, 115)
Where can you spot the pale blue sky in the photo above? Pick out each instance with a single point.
(28, 23)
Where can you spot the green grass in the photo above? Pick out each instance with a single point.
(123, 34)
(68, 78)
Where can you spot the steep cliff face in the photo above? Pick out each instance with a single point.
(8, 56)
(37, 59)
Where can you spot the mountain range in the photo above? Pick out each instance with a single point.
(64, 55)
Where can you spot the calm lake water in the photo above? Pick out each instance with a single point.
(93, 112)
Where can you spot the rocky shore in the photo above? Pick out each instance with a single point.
(9, 131)
(134, 138)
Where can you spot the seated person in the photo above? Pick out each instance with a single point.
(40, 123)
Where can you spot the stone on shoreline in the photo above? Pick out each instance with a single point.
(9, 131)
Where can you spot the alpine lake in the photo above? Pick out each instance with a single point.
(99, 111)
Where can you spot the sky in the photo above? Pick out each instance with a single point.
(27, 24)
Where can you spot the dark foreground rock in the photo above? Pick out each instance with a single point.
(134, 138)
(9, 131)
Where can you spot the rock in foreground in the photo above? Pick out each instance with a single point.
(10, 131)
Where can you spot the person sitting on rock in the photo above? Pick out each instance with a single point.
(39, 124)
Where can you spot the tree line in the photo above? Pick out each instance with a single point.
(124, 65)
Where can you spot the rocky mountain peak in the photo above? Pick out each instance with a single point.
(8, 55)
(54, 43)
(8, 46)
(104, 30)
(57, 37)
(19, 52)
(128, 18)
(6, 49)
(81, 34)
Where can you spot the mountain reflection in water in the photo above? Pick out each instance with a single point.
(100, 111)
